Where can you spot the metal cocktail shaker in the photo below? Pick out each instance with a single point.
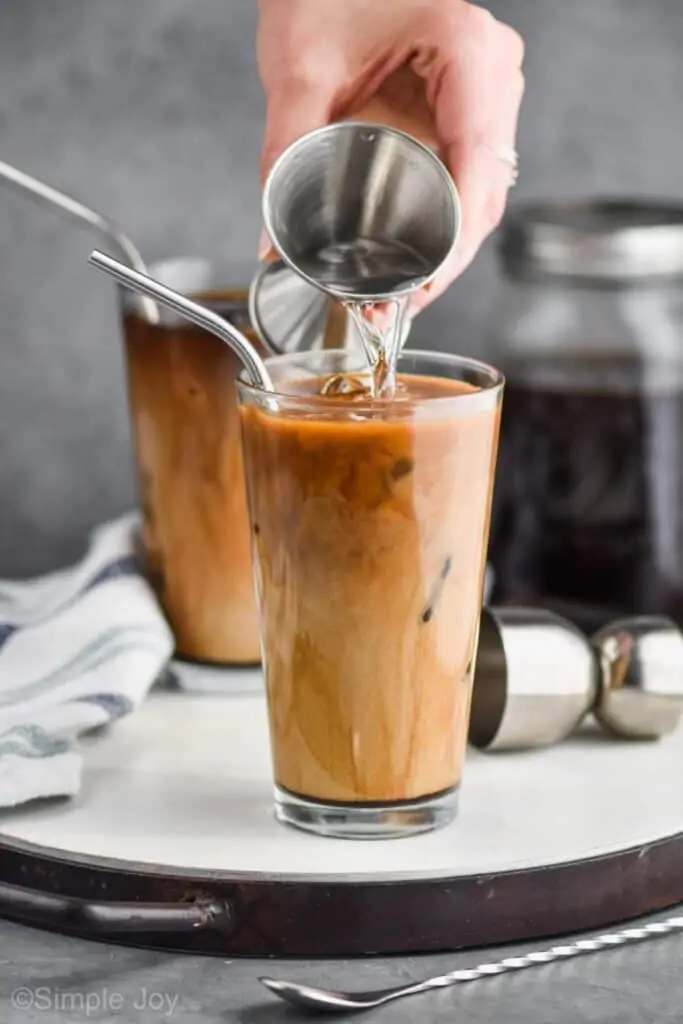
(538, 677)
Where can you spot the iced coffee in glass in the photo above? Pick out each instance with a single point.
(185, 425)
(369, 521)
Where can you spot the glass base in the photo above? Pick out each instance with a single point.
(213, 677)
(366, 821)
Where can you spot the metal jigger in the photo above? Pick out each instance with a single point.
(538, 677)
(361, 211)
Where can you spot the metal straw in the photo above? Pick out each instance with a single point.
(84, 215)
(191, 310)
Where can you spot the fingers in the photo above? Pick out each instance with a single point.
(510, 44)
(475, 85)
(483, 174)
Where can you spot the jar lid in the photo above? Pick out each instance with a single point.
(618, 240)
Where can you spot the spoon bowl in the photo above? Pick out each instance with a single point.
(329, 1000)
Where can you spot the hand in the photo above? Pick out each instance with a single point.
(443, 70)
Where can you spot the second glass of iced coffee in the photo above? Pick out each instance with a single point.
(185, 427)
(369, 521)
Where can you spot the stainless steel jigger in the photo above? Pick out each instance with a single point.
(362, 211)
(538, 677)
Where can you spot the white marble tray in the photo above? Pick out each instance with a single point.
(182, 790)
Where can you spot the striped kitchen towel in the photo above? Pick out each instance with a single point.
(78, 649)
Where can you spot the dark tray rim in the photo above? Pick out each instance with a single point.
(243, 914)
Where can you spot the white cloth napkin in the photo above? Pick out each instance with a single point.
(78, 649)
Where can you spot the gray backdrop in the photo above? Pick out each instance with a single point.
(151, 110)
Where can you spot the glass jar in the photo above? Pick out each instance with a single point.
(588, 516)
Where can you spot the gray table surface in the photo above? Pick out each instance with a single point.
(52, 978)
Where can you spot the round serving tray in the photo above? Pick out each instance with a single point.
(172, 843)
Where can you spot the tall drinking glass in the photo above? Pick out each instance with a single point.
(369, 523)
(186, 433)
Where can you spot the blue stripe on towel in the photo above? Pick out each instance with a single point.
(129, 565)
(6, 631)
(31, 741)
(116, 705)
(106, 646)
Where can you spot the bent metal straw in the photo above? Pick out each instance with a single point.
(191, 310)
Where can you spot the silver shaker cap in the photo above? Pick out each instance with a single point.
(641, 693)
(536, 678)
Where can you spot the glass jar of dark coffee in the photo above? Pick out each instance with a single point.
(588, 517)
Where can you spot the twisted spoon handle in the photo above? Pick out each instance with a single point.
(547, 956)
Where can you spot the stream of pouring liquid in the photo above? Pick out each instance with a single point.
(402, 103)
(381, 341)
(366, 269)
